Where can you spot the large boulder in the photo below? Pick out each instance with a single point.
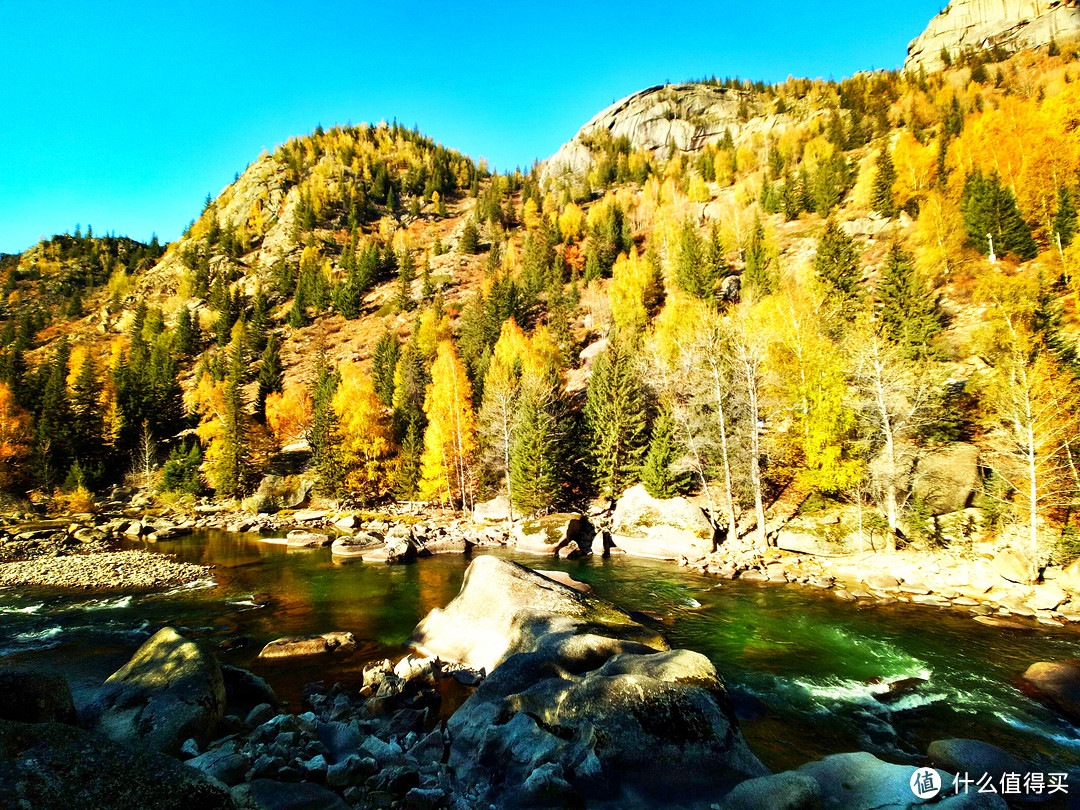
(504, 608)
(497, 510)
(641, 730)
(337, 644)
(783, 791)
(300, 538)
(1069, 578)
(170, 691)
(946, 479)
(245, 690)
(1012, 565)
(661, 528)
(400, 546)
(860, 781)
(974, 757)
(54, 766)
(561, 534)
(354, 545)
(1055, 683)
(35, 696)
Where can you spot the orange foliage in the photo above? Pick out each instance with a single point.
(289, 413)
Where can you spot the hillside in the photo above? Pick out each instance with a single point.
(685, 294)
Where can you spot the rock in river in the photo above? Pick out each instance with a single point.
(564, 535)
(338, 644)
(1056, 683)
(504, 608)
(665, 529)
(171, 690)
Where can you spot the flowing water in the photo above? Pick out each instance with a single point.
(797, 660)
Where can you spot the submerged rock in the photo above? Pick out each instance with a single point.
(338, 644)
(299, 538)
(171, 690)
(504, 608)
(354, 545)
(53, 766)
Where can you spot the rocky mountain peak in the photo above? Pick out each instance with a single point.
(688, 115)
(981, 24)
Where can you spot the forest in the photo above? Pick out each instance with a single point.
(804, 309)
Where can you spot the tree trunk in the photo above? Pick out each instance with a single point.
(729, 500)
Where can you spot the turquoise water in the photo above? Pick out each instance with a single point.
(797, 660)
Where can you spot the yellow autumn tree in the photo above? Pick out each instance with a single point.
(939, 235)
(289, 413)
(14, 436)
(450, 438)
(635, 290)
(916, 168)
(365, 432)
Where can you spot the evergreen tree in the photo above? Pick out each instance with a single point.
(470, 238)
(383, 365)
(1065, 221)
(298, 317)
(271, 376)
(760, 277)
(693, 272)
(989, 211)
(406, 276)
(882, 199)
(88, 422)
(323, 434)
(837, 262)
(259, 326)
(535, 469)
(656, 472)
(186, 333)
(52, 436)
(615, 419)
(907, 311)
(230, 468)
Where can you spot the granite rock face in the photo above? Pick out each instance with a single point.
(688, 115)
(978, 24)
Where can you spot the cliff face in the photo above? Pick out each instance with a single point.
(986, 23)
(688, 115)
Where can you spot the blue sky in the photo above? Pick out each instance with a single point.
(124, 115)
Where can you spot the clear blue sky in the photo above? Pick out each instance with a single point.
(124, 115)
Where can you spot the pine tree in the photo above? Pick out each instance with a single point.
(88, 422)
(656, 473)
(615, 418)
(760, 277)
(271, 376)
(323, 435)
(907, 311)
(882, 199)
(535, 453)
(186, 333)
(298, 318)
(259, 326)
(1065, 220)
(989, 211)
(406, 276)
(470, 238)
(383, 365)
(230, 467)
(837, 262)
(693, 272)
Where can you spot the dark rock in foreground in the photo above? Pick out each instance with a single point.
(640, 730)
(35, 696)
(170, 691)
(1055, 683)
(52, 766)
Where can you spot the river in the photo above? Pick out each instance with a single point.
(797, 659)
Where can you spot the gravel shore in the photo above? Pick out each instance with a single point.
(110, 570)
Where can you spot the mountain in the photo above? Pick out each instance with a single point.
(985, 24)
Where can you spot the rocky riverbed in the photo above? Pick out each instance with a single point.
(576, 704)
(104, 571)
